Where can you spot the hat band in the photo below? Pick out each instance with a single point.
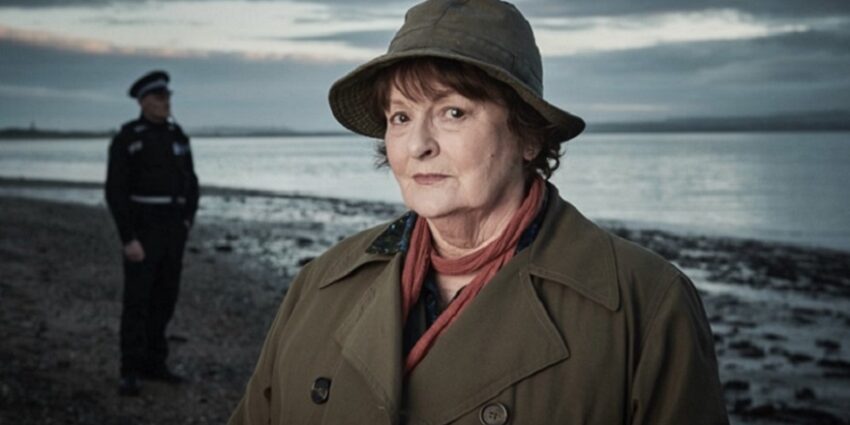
(153, 85)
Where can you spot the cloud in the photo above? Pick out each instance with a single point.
(261, 30)
(11, 91)
(90, 46)
(567, 36)
(762, 8)
(270, 30)
(37, 4)
(249, 63)
(376, 39)
(79, 90)
(784, 72)
(542, 8)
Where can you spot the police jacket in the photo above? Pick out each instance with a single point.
(150, 164)
(581, 327)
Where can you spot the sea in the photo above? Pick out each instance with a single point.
(788, 186)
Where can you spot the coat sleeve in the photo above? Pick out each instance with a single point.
(193, 192)
(676, 379)
(254, 408)
(117, 188)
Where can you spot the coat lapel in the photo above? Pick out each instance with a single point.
(503, 336)
(370, 337)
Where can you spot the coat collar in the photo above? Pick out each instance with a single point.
(569, 249)
(573, 251)
(482, 344)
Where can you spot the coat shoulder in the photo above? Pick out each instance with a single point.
(178, 130)
(129, 131)
(641, 262)
(346, 256)
(650, 285)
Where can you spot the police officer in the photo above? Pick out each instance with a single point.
(152, 192)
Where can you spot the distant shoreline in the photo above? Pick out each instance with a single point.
(597, 129)
(824, 121)
(29, 134)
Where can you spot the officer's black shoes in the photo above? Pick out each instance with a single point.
(129, 386)
(162, 374)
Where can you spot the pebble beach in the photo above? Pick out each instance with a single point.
(780, 313)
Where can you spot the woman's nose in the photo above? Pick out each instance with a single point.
(423, 143)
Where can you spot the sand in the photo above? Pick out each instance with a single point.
(780, 313)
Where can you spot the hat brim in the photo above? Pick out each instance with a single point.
(348, 96)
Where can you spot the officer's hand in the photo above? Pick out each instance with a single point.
(133, 251)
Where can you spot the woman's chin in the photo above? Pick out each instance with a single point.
(427, 207)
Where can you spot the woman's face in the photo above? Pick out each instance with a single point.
(452, 155)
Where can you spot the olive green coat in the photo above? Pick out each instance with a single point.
(582, 327)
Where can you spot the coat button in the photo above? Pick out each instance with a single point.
(321, 390)
(494, 414)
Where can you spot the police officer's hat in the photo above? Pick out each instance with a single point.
(152, 82)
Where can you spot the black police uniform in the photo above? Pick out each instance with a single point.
(152, 192)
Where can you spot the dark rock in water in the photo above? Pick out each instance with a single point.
(771, 366)
(303, 242)
(177, 338)
(231, 237)
(747, 349)
(774, 337)
(797, 358)
(834, 364)
(845, 376)
(802, 320)
(224, 248)
(805, 393)
(303, 261)
(782, 270)
(742, 323)
(794, 358)
(741, 405)
(760, 411)
(736, 385)
(794, 415)
(828, 345)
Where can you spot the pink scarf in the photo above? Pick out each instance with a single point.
(487, 261)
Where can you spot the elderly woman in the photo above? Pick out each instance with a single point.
(493, 300)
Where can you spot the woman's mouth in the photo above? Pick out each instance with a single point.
(429, 179)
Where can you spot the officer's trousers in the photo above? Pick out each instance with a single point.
(151, 287)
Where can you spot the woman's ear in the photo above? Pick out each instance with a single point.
(529, 152)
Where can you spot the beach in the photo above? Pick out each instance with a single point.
(780, 313)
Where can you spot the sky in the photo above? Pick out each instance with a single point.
(67, 64)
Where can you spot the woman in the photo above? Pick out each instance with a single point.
(493, 301)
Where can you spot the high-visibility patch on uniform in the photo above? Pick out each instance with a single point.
(180, 148)
(135, 147)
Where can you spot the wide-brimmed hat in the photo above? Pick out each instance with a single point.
(489, 34)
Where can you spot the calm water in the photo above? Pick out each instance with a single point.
(778, 186)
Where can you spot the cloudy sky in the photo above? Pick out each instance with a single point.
(68, 63)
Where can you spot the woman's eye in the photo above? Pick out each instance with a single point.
(398, 118)
(455, 113)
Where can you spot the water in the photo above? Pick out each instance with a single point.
(775, 186)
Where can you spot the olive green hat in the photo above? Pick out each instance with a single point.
(489, 34)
